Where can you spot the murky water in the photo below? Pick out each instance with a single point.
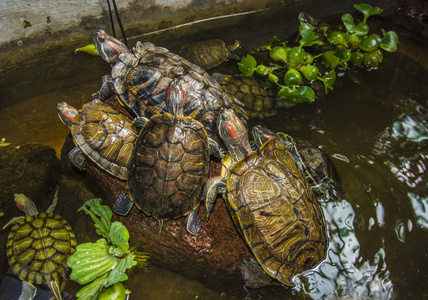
(376, 131)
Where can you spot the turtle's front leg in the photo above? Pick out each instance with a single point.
(106, 90)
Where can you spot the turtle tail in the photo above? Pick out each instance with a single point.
(55, 289)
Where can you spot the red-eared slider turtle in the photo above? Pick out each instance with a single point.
(39, 245)
(315, 164)
(258, 100)
(140, 80)
(102, 133)
(271, 203)
(209, 53)
(169, 167)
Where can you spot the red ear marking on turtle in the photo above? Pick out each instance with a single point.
(115, 49)
(231, 131)
(266, 137)
(67, 116)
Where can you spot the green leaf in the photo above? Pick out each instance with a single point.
(330, 60)
(89, 49)
(328, 80)
(91, 291)
(90, 261)
(118, 274)
(100, 214)
(337, 37)
(373, 59)
(361, 29)
(343, 54)
(297, 95)
(357, 58)
(292, 77)
(278, 53)
(368, 10)
(389, 41)
(353, 39)
(262, 70)
(273, 41)
(310, 72)
(370, 43)
(273, 78)
(119, 235)
(296, 57)
(309, 38)
(247, 65)
(114, 292)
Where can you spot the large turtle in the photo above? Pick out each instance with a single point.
(209, 53)
(39, 245)
(169, 167)
(102, 133)
(316, 165)
(140, 80)
(258, 100)
(271, 204)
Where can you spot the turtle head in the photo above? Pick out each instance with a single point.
(66, 113)
(175, 98)
(261, 135)
(234, 134)
(26, 205)
(109, 47)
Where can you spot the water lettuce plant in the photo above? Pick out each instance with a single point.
(103, 264)
(320, 51)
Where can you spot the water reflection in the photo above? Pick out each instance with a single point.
(407, 137)
(343, 274)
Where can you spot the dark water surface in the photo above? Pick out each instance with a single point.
(376, 131)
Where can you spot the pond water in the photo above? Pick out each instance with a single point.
(375, 130)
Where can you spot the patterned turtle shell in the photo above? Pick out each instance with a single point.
(38, 247)
(277, 212)
(257, 99)
(170, 166)
(209, 53)
(106, 136)
(316, 165)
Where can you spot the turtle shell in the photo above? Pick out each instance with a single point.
(38, 247)
(170, 166)
(141, 82)
(206, 54)
(315, 163)
(106, 136)
(257, 99)
(277, 212)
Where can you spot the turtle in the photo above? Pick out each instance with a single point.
(316, 165)
(140, 79)
(259, 101)
(169, 166)
(209, 53)
(271, 204)
(101, 133)
(39, 245)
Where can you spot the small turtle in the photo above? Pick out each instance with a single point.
(316, 165)
(102, 133)
(258, 100)
(209, 53)
(271, 204)
(38, 246)
(141, 78)
(169, 167)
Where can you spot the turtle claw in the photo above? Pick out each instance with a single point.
(77, 158)
(139, 122)
(193, 222)
(123, 204)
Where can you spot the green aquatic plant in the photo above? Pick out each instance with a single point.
(103, 264)
(318, 54)
(89, 49)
